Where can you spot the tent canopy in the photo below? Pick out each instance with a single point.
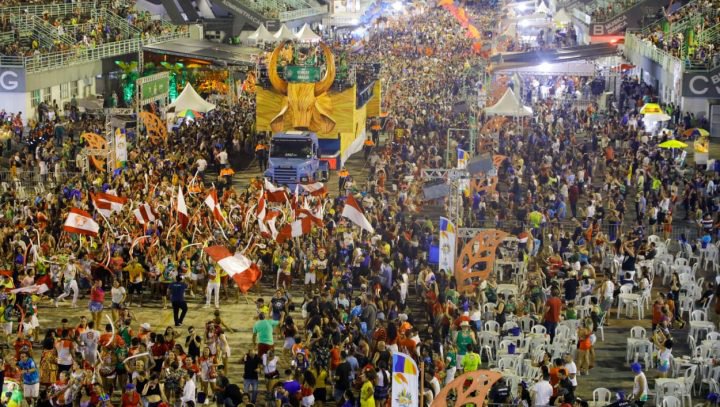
(189, 99)
(284, 33)
(542, 8)
(306, 34)
(561, 17)
(509, 105)
(262, 34)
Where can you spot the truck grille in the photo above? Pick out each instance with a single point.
(285, 176)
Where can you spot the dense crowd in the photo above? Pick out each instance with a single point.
(697, 43)
(582, 189)
(83, 28)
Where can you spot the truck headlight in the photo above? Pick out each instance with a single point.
(303, 179)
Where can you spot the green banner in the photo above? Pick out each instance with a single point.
(296, 73)
(154, 88)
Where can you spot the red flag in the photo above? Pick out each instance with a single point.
(315, 189)
(182, 211)
(244, 272)
(295, 229)
(212, 202)
(145, 214)
(355, 213)
(81, 222)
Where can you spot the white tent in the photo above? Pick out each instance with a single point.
(561, 17)
(306, 34)
(189, 99)
(284, 33)
(509, 105)
(262, 35)
(542, 8)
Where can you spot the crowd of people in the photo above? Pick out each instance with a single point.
(583, 189)
(86, 27)
(696, 44)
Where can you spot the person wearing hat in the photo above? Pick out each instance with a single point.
(130, 397)
(640, 385)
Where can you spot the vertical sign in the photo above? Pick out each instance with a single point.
(120, 147)
(405, 378)
(448, 237)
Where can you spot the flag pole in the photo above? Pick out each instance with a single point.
(422, 384)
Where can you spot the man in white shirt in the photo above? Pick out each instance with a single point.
(69, 275)
(607, 291)
(89, 343)
(542, 391)
(201, 164)
(571, 369)
(188, 397)
(222, 158)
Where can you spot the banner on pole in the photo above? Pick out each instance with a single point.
(448, 237)
(120, 147)
(405, 379)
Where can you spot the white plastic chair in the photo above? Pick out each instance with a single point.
(492, 326)
(539, 329)
(638, 332)
(671, 401)
(626, 289)
(601, 397)
(507, 363)
(526, 324)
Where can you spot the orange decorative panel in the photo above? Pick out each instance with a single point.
(156, 129)
(96, 141)
(468, 389)
(477, 258)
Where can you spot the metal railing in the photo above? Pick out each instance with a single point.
(30, 26)
(636, 47)
(53, 9)
(45, 62)
(116, 21)
(302, 13)
(7, 37)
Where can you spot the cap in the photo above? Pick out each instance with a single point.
(145, 326)
(464, 324)
(636, 367)
(129, 386)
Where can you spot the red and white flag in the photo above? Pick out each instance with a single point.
(275, 194)
(107, 203)
(297, 228)
(144, 214)
(315, 189)
(214, 204)
(316, 218)
(260, 210)
(81, 222)
(182, 211)
(355, 213)
(243, 271)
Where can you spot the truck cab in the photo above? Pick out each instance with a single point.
(295, 159)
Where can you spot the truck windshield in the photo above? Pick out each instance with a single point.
(289, 148)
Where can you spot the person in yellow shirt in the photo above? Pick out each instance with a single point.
(213, 285)
(286, 265)
(135, 272)
(367, 392)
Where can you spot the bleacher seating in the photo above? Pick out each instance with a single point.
(42, 36)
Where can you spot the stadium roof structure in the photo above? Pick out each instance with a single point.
(222, 54)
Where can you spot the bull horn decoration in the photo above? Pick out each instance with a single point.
(324, 85)
(278, 83)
